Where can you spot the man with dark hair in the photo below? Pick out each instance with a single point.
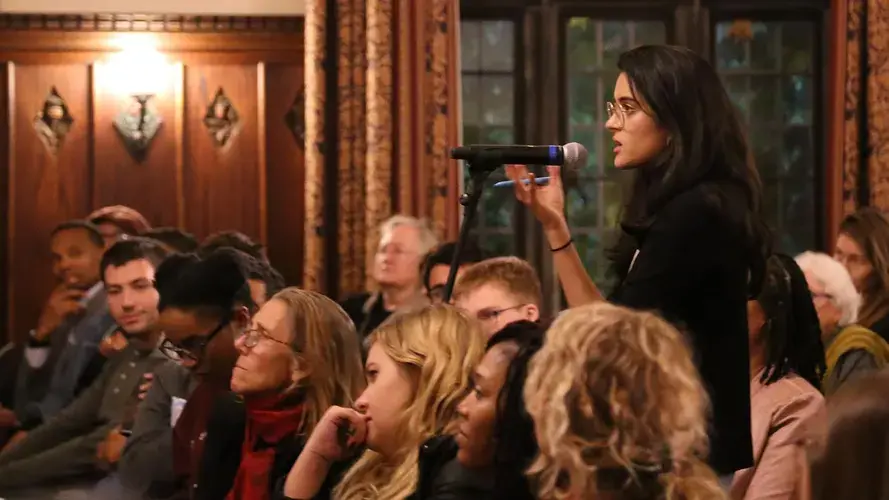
(61, 357)
(205, 304)
(174, 239)
(264, 280)
(84, 440)
(437, 265)
(232, 239)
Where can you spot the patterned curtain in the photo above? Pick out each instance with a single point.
(857, 118)
(396, 114)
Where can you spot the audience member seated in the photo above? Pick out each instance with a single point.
(499, 291)
(619, 409)
(299, 357)
(418, 369)
(146, 466)
(863, 247)
(84, 442)
(496, 434)
(61, 357)
(263, 279)
(851, 464)
(404, 243)
(116, 221)
(438, 264)
(205, 304)
(786, 365)
(852, 349)
(174, 239)
(232, 239)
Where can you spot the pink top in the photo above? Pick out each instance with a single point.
(783, 415)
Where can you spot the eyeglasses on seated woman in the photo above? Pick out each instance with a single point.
(418, 369)
(299, 356)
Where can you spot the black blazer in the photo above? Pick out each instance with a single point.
(692, 268)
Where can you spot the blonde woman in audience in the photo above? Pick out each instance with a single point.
(863, 248)
(299, 357)
(418, 369)
(852, 349)
(619, 410)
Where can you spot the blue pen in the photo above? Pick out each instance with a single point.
(540, 181)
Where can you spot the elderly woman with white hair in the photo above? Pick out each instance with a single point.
(404, 243)
(851, 348)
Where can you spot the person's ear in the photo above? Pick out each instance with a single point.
(532, 312)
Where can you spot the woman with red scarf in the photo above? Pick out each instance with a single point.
(299, 356)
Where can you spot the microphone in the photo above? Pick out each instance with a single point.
(569, 154)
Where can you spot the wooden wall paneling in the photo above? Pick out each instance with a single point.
(45, 188)
(222, 183)
(151, 186)
(285, 169)
(5, 109)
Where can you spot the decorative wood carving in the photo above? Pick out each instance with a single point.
(296, 118)
(53, 121)
(151, 23)
(221, 119)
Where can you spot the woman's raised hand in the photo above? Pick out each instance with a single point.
(546, 202)
(338, 435)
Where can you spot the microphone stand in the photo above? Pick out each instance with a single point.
(479, 170)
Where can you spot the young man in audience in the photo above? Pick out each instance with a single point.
(61, 356)
(499, 291)
(84, 440)
(147, 466)
(404, 243)
(438, 264)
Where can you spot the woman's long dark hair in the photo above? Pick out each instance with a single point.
(869, 228)
(791, 333)
(515, 444)
(707, 146)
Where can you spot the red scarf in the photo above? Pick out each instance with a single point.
(269, 420)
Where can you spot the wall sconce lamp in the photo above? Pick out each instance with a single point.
(137, 125)
(140, 72)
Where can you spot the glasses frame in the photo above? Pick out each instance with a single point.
(195, 354)
(252, 337)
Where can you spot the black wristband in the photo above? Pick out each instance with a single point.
(566, 245)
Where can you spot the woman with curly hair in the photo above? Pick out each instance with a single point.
(619, 410)
(418, 369)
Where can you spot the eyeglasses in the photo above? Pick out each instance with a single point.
(254, 335)
(489, 314)
(622, 111)
(193, 352)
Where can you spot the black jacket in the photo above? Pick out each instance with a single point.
(441, 477)
(692, 267)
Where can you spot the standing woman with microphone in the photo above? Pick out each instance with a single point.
(693, 244)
